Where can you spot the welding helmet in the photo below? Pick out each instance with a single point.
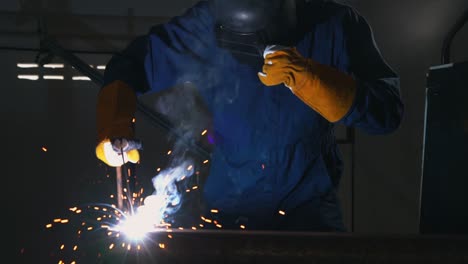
(246, 27)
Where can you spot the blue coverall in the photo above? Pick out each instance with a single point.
(272, 151)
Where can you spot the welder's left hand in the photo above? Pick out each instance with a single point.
(325, 89)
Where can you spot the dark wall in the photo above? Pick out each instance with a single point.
(388, 168)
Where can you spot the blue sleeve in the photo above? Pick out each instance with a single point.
(169, 54)
(378, 107)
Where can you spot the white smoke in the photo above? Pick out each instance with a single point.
(165, 201)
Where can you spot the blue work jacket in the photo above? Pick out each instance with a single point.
(272, 152)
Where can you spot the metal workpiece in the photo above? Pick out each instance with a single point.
(224, 246)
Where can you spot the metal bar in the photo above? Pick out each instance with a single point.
(52, 46)
(118, 179)
(203, 246)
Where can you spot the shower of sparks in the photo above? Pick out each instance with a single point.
(126, 229)
(131, 227)
(165, 201)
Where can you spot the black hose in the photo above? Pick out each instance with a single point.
(445, 58)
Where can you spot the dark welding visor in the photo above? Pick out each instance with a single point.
(245, 27)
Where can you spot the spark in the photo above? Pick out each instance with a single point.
(215, 211)
(169, 152)
(205, 162)
(282, 212)
(204, 132)
(44, 149)
(242, 226)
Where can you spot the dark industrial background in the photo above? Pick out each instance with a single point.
(58, 115)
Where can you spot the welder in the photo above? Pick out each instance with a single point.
(277, 76)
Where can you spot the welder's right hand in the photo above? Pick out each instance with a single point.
(111, 152)
(116, 106)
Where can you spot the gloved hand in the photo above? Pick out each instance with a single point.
(328, 91)
(116, 106)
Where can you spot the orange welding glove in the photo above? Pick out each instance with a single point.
(116, 106)
(325, 89)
